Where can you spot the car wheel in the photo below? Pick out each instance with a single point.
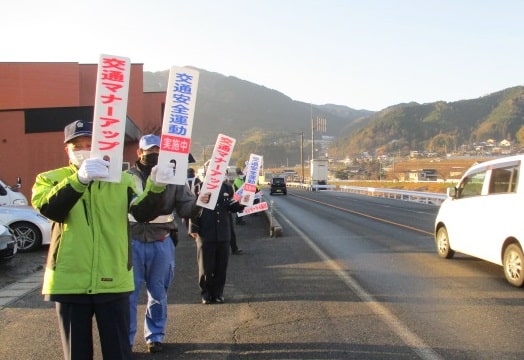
(28, 236)
(442, 241)
(513, 263)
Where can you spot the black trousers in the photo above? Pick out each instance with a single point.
(76, 324)
(234, 246)
(212, 260)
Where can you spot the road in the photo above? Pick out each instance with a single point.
(460, 308)
(352, 277)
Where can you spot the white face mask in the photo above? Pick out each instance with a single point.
(77, 157)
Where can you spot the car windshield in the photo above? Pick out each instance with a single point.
(278, 181)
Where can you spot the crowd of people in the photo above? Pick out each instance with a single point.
(111, 239)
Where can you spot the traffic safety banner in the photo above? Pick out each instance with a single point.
(216, 170)
(251, 173)
(261, 206)
(110, 111)
(175, 141)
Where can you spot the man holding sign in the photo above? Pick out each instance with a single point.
(154, 246)
(212, 227)
(89, 264)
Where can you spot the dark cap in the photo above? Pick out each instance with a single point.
(77, 128)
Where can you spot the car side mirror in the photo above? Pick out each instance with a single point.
(451, 192)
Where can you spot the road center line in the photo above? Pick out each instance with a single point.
(415, 343)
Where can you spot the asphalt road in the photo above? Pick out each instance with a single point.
(21, 266)
(339, 283)
(282, 302)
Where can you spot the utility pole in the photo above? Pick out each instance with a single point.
(312, 132)
(302, 153)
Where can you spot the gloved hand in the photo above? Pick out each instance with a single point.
(93, 169)
(161, 172)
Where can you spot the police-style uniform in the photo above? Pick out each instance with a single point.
(214, 235)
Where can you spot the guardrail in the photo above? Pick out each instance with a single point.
(406, 195)
(309, 187)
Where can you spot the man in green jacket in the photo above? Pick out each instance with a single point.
(89, 264)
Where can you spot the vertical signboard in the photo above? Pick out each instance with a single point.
(250, 183)
(216, 170)
(110, 111)
(177, 124)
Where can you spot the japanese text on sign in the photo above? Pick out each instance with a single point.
(110, 112)
(216, 170)
(177, 124)
(250, 185)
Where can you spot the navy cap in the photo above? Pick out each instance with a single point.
(76, 129)
(148, 141)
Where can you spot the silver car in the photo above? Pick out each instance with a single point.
(8, 246)
(31, 229)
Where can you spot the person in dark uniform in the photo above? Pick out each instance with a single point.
(235, 250)
(212, 232)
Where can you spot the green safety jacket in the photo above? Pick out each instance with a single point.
(90, 251)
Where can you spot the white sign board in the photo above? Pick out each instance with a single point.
(250, 183)
(261, 206)
(110, 112)
(216, 170)
(177, 124)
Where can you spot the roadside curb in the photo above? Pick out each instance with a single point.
(14, 291)
(275, 229)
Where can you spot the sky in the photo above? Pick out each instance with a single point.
(367, 54)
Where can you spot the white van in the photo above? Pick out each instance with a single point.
(9, 195)
(483, 216)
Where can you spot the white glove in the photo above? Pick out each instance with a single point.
(93, 169)
(162, 172)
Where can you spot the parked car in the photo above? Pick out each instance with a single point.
(278, 186)
(30, 227)
(482, 216)
(8, 246)
(11, 195)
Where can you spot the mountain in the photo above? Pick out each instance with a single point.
(438, 127)
(261, 119)
(266, 122)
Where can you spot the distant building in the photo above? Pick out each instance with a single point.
(38, 99)
(420, 175)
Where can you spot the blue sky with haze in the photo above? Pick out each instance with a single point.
(363, 54)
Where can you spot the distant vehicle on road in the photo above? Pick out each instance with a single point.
(30, 227)
(319, 173)
(482, 216)
(278, 186)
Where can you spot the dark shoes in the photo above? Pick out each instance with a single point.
(237, 252)
(215, 300)
(206, 301)
(154, 347)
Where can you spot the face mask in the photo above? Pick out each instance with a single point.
(77, 157)
(149, 159)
